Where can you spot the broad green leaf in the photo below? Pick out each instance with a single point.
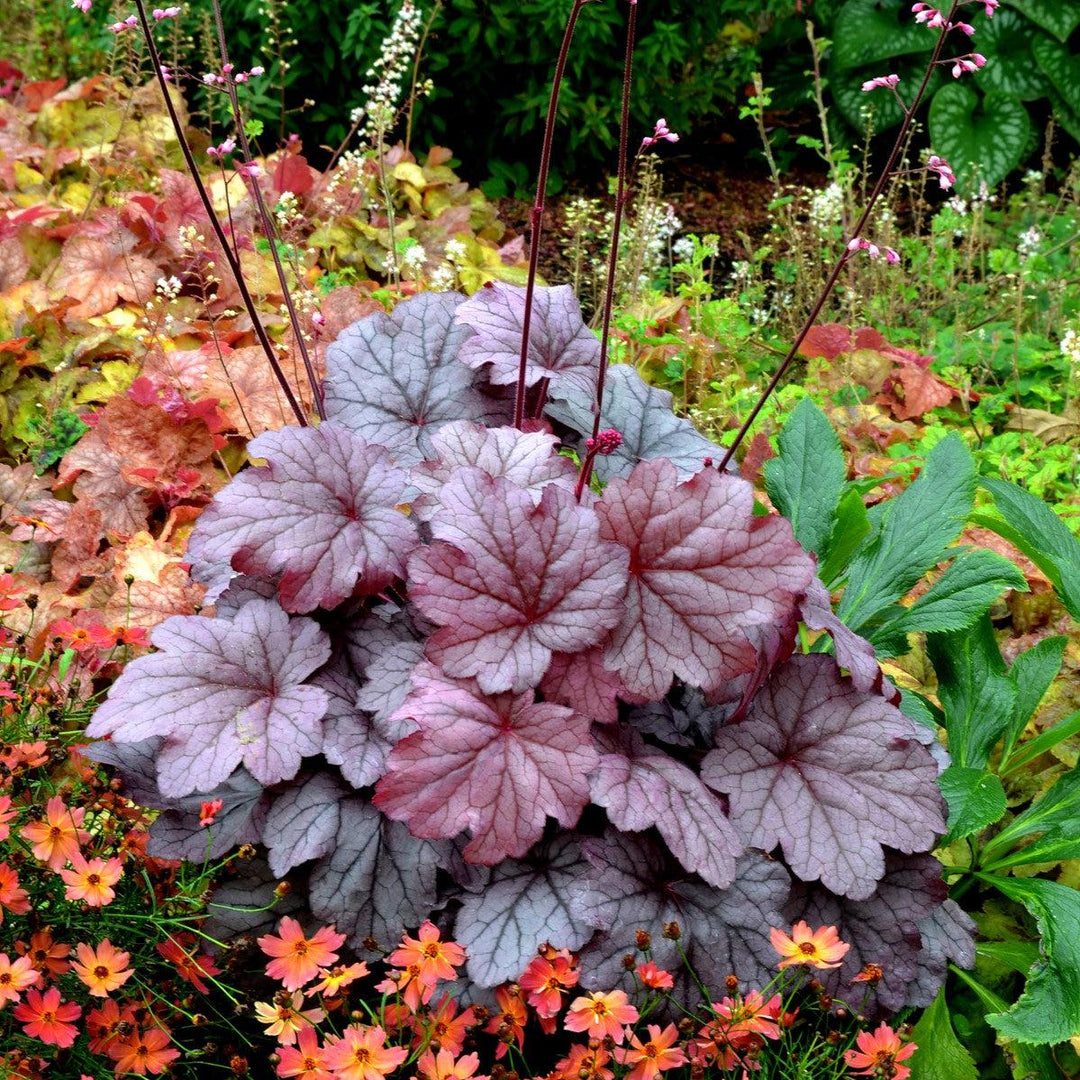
(870, 32)
(978, 698)
(1005, 41)
(940, 1055)
(849, 528)
(965, 591)
(1032, 673)
(975, 797)
(1049, 1009)
(980, 138)
(1062, 730)
(1062, 68)
(806, 480)
(1040, 534)
(1060, 17)
(1054, 819)
(1017, 955)
(920, 710)
(915, 529)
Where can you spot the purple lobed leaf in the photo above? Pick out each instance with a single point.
(641, 787)
(303, 821)
(704, 572)
(509, 583)
(496, 765)
(561, 347)
(223, 693)
(245, 903)
(389, 680)
(828, 772)
(321, 517)
(947, 933)
(580, 681)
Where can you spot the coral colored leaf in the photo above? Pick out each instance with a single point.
(830, 773)
(561, 347)
(829, 340)
(642, 414)
(396, 379)
(303, 821)
(528, 459)
(509, 583)
(100, 271)
(498, 766)
(523, 905)
(640, 786)
(704, 571)
(377, 880)
(321, 517)
(223, 693)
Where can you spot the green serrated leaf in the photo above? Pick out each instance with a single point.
(805, 481)
(940, 1055)
(1055, 822)
(1049, 1009)
(850, 527)
(920, 710)
(1042, 743)
(915, 530)
(1005, 41)
(1060, 17)
(976, 799)
(870, 31)
(1032, 672)
(983, 139)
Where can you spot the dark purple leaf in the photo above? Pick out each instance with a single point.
(396, 379)
(643, 415)
(369, 634)
(947, 933)
(388, 680)
(724, 931)
(223, 693)
(245, 902)
(773, 644)
(320, 517)
(238, 591)
(828, 772)
(510, 583)
(523, 905)
(561, 347)
(351, 739)
(581, 682)
(377, 880)
(303, 821)
(136, 765)
(642, 787)
(497, 766)
(528, 459)
(704, 571)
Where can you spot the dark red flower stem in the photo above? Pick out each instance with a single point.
(264, 217)
(830, 284)
(215, 224)
(536, 215)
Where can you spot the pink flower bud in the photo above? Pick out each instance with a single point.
(887, 81)
(891, 256)
(257, 70)
(606, 442)
(82, 5)
(166, 13)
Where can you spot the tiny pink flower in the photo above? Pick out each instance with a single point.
(966, 27)
(257, 71)
(606, 442)
(888, 81)
(990, 6)
(928, 15)
(891, 256)
(966, 65)
(661, 131)
(166, 13)
(208, 812)
(223, 149)
(946, 177)
(83, 5)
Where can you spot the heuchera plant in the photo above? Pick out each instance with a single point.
(448, 686)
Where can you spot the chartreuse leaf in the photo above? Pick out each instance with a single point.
(1032, 673)
(914, 530)
(850, 526)
(1026, 521)
(807, 479)
(1049, 1009)
(965, 591)
(978, 698)
(940, 1054)
(975, 797)
(1054, 819)
(1060, 17)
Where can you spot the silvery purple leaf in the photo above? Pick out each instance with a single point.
(580, 681)
(240, 589)
(223, 693)
(523, 905)
(510, 582)
(643, 416)
(136, 765)
(302, 822)
(829, 773)
(321, 517)
(388, 681)
(561, 347)
(369, 633)
(396, 379)
(641, 787)
(245, 903)
(527, 459)
(948, 933)
(377, 880)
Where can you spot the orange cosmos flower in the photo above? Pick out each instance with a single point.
(443, 1026)
(57, 839)
(15, 977)
(46, 1018)
(360, 1054)
(547, 980)
(297, 958)
(103, 969)
(148, 1052)
(16, 900)
(509, 1022)
(6, 814)
(92, 881)
(585, 1062)
(189, 967)
(601, 1014)
(283, 1020)
(653, 1057)
(103, 1024)
(821, 948)
(752, 1015)
(436, 959)
(335, 979)
(879, 1053)
(46, 955)
(655, 978)
(444, 1067)
(308, 1061)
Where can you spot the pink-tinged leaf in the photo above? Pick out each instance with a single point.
(509, 583)
(830, 773)
(497, 766)
(642, 414)
(561, 347)
(913, 391)
(321, 517)
(223, 693)
(580, 681)
(302, 822)
(100, 271)
(527, 459)
(704, 571)
(641, 787)
(829, 340)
